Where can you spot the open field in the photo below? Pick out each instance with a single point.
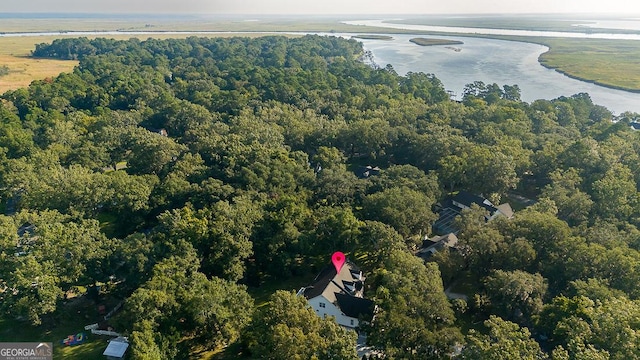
(15, 52)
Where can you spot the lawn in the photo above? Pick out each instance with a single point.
(54, 329)
(262, 293)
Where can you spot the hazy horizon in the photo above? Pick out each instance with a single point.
(325, 7)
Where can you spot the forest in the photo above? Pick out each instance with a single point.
(184, 176)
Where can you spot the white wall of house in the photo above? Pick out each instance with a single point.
(324, 308)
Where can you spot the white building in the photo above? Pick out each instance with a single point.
(339, 295)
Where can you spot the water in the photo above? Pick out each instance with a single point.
(493, 61)
(593, 34)
(487, 60)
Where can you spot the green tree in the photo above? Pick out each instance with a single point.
(516, 293)
(408, 211)
(573, 204)
(505, 340)
(33, 289)
(179, 299)
(616, 193)
(415, 319)
(287, 328)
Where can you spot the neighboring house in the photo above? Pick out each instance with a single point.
(635, 125)
(464, 200)
(437, 243)
(364, 172)
(339, 295)
(162, 131)
(116, 349)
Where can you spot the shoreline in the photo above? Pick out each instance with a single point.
(366, 31)
(609, 86)
(549, 47)
(434, 42)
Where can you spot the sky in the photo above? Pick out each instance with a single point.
(322, 7)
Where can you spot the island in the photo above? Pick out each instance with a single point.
(432, 42)
(372, 37)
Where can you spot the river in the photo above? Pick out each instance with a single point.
(487, 60)
(492, 61)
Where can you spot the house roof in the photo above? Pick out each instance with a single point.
(467, 199)
(437, 243)
(116, 348)
(354, 306)
(450, 209)
(364, 172)
(444, 224)
(506, 210)
(328, 282)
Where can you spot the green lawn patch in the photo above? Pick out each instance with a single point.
(67, 321)
(108, 224)
(262, 293)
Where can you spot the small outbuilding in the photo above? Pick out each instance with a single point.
(116, 349)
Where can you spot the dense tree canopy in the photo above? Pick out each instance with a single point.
(187, 173)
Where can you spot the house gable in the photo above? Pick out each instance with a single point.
(339, 295)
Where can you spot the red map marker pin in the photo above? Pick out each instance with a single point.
(338, 260)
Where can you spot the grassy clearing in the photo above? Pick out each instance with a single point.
(262, 293)
(14, 54)
(23, 70)
(78, 313)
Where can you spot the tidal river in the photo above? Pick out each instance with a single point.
(490, 61)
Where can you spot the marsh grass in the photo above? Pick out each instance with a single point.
(22, 69)
(612, 63)
(433, 42)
